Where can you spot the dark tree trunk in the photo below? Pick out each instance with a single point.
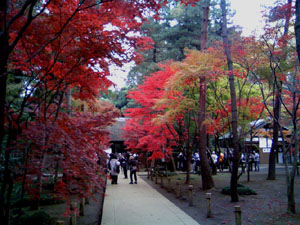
(274, 148)
(207, 180)
(204, 25)
(188, 165)
(69, 98)
(3, 80)
(5, 206)
(4, 52)
(4, 48)
(236, 154)
(291, 184)
(276, 111)
(291, 197)
(8, 182)
(154, 57)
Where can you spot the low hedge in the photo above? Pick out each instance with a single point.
(242, 190)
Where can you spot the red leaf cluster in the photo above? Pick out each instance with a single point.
(142, 133)
(74, 145)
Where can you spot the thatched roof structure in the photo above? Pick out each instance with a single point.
(116, 131)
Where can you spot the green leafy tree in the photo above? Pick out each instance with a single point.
(179, 28)
(117, 97)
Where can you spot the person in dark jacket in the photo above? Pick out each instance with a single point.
(124, 164)
(133, 168)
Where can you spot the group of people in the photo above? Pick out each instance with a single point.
(253, 159)
(195, 162)
(217, 160)
(126, 162)
(220, 161)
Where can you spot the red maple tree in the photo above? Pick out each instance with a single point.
(142, 133)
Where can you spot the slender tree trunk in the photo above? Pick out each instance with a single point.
(204, 25)
(290, 176)
(188, 151)
(247, 161)
(248, 169)
(5, 206)
(234, 122)
(4, 52)
(173, 163)
(276, 110)
(4, 48)
(188, 164)
(5, 193)
(154, 57)
(207, 180)
(291, 184)
(69, 98)
(8, 199)
(8, 182)
(291, 197)
(26, 153)
(274, 148)
(3, 79)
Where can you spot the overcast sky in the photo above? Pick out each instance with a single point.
(248, 16)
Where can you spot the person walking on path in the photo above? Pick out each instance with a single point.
(114, 167)
(243, 162)
(221, 161)
(256, 161)
(181, 160)
(214, 158)
(124, 164)
(133, 168)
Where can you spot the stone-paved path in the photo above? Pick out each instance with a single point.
(140, 204)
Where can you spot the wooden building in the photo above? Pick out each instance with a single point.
(116, 135)
(259, 138)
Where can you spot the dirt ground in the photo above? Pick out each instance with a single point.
(92, 212)
(267, 207)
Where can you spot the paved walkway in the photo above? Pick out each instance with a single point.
(140, 204)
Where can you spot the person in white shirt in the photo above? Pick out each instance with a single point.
(214, 157)
(114, 167)
(256, 161)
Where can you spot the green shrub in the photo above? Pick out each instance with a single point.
(242, 190)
